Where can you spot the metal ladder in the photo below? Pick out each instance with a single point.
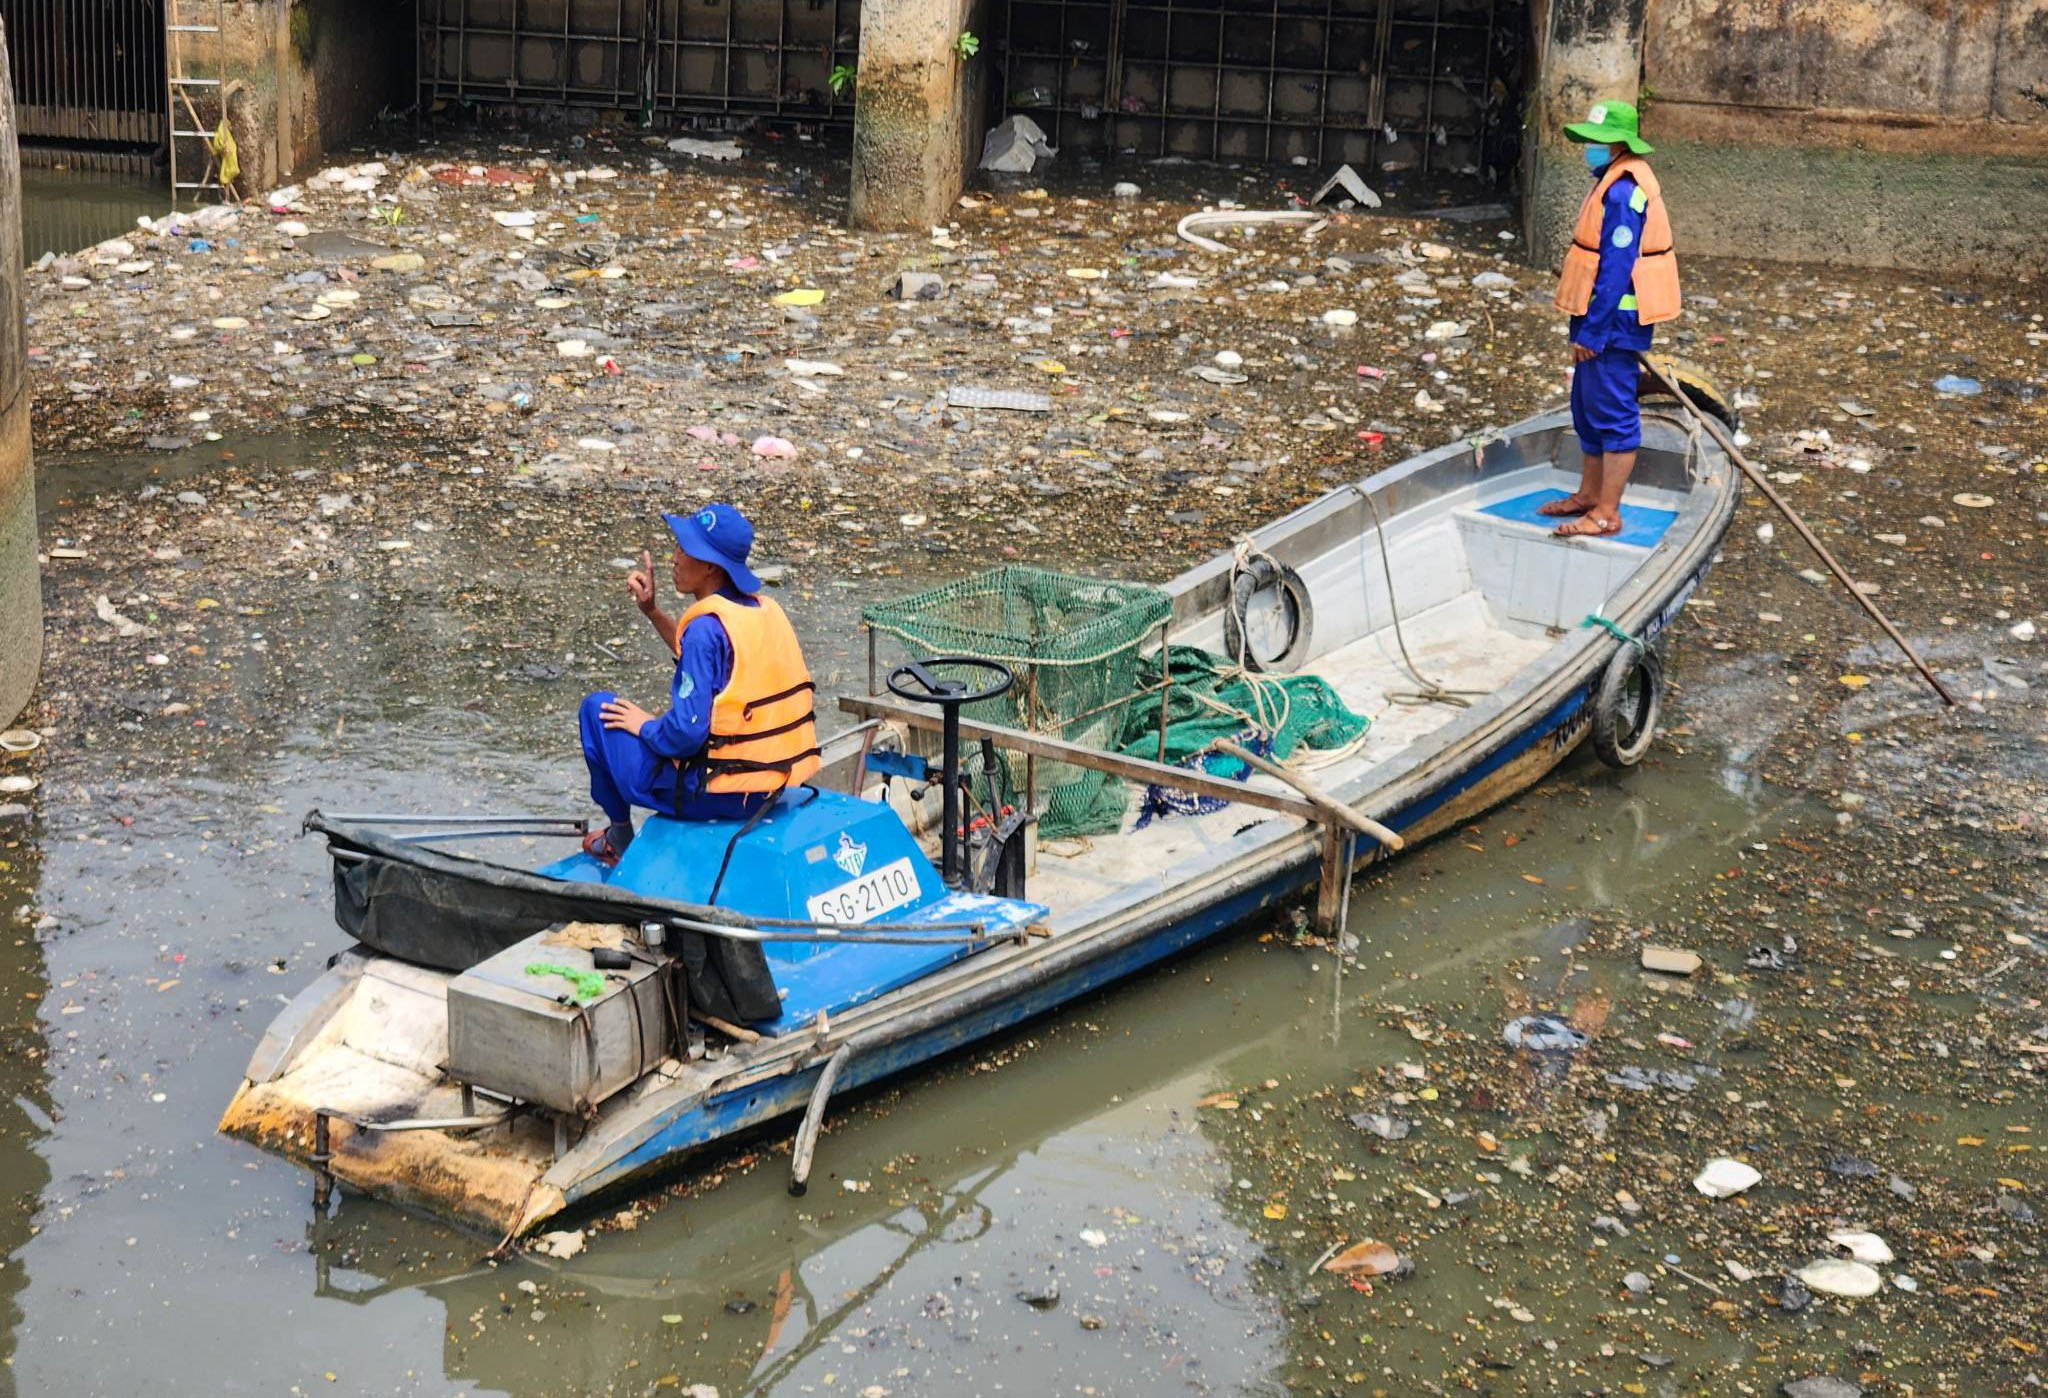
(188, 93)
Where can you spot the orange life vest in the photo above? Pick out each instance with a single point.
(1654, 283)
(763, 734)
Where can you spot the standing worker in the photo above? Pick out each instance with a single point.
(1619, 279)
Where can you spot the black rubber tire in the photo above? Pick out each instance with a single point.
(1247, 582)
(1625, 723)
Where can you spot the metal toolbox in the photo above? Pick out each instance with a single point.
(526, 1037)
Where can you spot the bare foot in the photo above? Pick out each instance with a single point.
(1589, 526)
(1573, 504)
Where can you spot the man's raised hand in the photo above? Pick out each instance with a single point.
(640, 582)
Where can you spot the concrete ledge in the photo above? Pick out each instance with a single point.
(1961, 214)
(1976, 213)
(1894, 133)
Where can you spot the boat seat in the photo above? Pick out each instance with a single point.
(1528, 574)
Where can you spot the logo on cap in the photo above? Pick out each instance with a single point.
(1598, 116)
(707, 519)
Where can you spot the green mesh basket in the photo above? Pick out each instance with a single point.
(1073, 645)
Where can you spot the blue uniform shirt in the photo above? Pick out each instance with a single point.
(1610, 320)
(703, 668)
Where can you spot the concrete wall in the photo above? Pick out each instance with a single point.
(21, 584)
(1586, 51)
(310, 76)
(1899, 133)
(917, 111)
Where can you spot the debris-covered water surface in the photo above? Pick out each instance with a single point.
(337, 502)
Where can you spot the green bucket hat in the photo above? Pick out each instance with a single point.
(1608, 123)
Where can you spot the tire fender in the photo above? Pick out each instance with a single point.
(1246, 582)
(1625, 715)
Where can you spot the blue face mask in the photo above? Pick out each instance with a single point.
(1598, 158)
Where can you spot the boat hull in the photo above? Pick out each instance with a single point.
(1485, 760)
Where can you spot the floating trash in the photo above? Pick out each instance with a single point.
(1724, 1178)
(1382, 1125)
(1370, 1258)
(1861, 1245)
(1838, 1276)
(1543, 1034)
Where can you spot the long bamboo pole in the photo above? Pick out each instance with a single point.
(1756, 478)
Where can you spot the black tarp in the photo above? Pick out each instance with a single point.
(451, 912)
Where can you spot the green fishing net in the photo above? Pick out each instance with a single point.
(1074, 645)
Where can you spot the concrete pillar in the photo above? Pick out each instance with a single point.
(21, 582)
(1587, 51)
(916, 112)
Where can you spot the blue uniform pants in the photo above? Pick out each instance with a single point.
(625, 772)
(1604, 411)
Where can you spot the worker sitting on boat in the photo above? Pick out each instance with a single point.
(739, 726)
(1619, 279)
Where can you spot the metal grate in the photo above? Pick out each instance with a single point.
(772, 57)
(765, 57)
(1268, 80)
(576, 53)
(87, 70)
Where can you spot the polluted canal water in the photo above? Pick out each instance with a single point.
(1132, 1195)
(389, 581)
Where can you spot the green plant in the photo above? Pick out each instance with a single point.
(841, 79)
(967, 45)
(391, 217)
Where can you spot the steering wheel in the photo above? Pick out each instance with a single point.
(920, 686)
(947, 693)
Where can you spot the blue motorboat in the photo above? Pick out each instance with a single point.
(499, 1044)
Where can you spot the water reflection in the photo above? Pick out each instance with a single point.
(64, 211)
(1066, 1163)
(25, 1102)
(996, 1217)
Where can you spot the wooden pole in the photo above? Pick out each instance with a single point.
(1756, 478)
(1137, 769)
(1336, 873)
(1335, 811)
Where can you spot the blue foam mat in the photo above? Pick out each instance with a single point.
(1640, 525)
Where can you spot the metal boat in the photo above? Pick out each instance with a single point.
(499, 1045)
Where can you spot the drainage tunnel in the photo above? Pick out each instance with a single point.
(88, 81)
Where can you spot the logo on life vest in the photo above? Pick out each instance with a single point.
(850, 857)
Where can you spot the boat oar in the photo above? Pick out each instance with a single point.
(1317, 797)
(1756, 478)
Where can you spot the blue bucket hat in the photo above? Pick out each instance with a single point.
(720, 535)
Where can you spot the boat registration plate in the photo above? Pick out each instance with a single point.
(866, 898)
